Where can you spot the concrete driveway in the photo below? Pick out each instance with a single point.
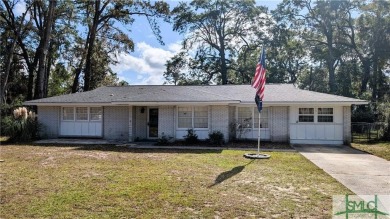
(362, 173)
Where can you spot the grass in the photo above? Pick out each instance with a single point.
(380, 149)
(115, 182)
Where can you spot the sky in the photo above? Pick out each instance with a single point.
(146, 65)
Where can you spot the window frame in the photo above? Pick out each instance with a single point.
(88, 114)
(254, 111)
(62, 113)
(325, 114)
(192, 117)
(263, 118)
(79, 114)
(200, 117)
(306, 114)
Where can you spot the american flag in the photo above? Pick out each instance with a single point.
(259, 79)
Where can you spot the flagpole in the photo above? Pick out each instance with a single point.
(258, 139)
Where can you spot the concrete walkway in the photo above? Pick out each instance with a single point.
(362, 173)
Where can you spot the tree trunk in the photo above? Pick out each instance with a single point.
(330, 64)
(7, 69)
(41, 79)
(374, 96)
(49, 60)
(91, 42)
(223, 59)
(366, 74)
(223, 68)
(16, 31)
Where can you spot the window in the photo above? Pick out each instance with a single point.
(264, 118)
(325, 115)
(201, 117)
(306, 114)
(81, 113)
(68, 113)
(185, 117)
(193, 117)
(96, 114)
(245, 115)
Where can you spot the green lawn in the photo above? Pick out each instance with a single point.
(381, 149)
(114, 182)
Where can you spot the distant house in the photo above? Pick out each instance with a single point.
(148, 112)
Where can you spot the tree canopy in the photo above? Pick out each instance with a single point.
(57, 47)
(338, 47)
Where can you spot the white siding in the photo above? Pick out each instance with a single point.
(116, 122)
(279, 123)
(220, 120)
(49, 117)
(140, 123)
(232, 120)
(131, 124)
(166, 121)
(347, 124)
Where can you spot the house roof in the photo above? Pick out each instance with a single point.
(164, 94)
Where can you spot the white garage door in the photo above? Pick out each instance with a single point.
(81, 121)
(317, 125)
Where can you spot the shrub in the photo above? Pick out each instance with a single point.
(191, 137)
(239, 129)
(22, 126)
(216, 138)
(384, 119)
(164, 140)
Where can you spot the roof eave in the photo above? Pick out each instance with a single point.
(137, 103)
(165, 103)
(291, 103)
(64, 104)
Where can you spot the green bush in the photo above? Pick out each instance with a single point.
(22, 126)
(384, 119)
(191, 137)
(216, 138)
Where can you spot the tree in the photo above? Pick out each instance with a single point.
(174, 67)
(287, 54)
(35, 40)
(42, 77)
(100, 18)
(216, 30)
(318, 22)
(367, 35)
(9, 50)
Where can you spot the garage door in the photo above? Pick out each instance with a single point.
(81, 121)
(316, 133)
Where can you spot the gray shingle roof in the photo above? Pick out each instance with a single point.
(274, 93)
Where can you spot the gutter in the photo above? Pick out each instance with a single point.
(118, 103)
(291, 103)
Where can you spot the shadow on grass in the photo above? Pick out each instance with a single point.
(229, 174)
(142, 150)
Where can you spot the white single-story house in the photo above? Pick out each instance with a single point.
(140, 112)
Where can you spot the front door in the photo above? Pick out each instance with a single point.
(153, 123)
